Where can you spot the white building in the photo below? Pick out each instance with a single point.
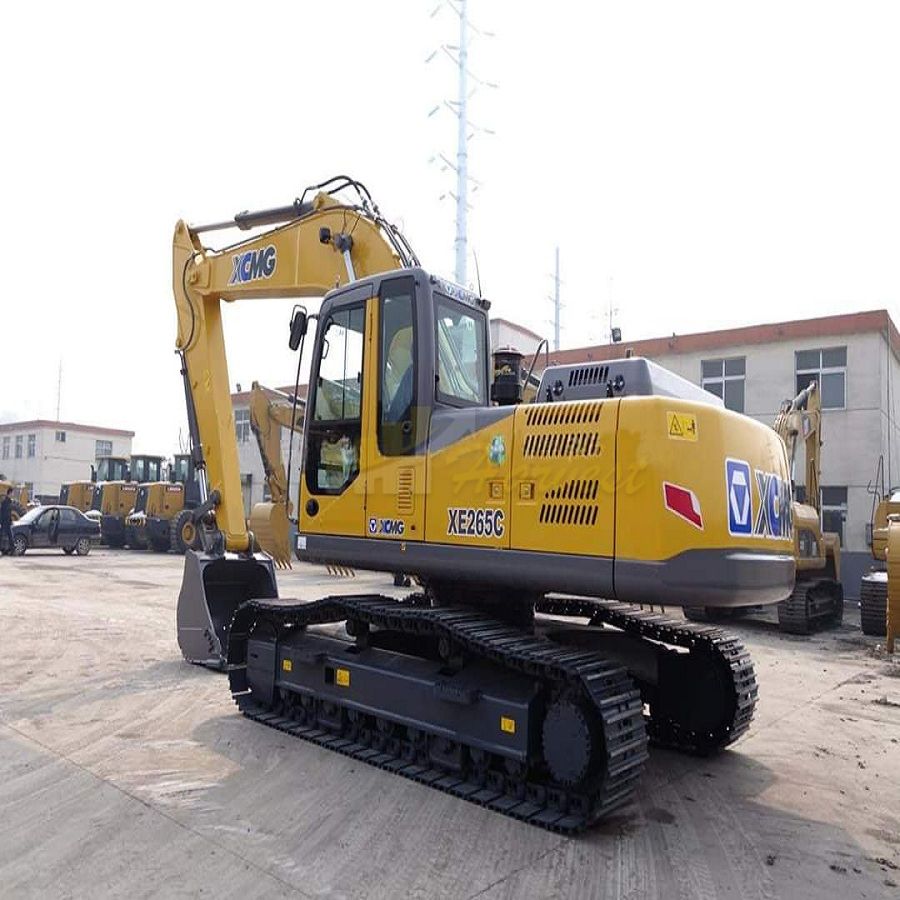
(855, 358)
(44, 454)
(505, 334)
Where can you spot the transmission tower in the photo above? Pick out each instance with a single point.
(465, 128)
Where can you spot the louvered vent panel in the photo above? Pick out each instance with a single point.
(572, 503)
(406, 491)
(562, 429)
(588, 375)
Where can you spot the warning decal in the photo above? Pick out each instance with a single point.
(681, 426)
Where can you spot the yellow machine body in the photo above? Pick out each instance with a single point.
(79, 494)
(559, 496)
(114, 498)
(890, 506)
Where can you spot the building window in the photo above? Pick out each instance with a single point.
(32, 445)
(102, 448)
(60, 437)
(834, 510)
(725, 379)
(829, 369)
(6, 448)
(242, 425)
(20, 444)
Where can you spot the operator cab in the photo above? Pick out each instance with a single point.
(430, 359)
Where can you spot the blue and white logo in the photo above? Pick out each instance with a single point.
(737, 485)
(253, 264)
(391, 527)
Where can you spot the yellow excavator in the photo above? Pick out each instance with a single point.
(520, 677)
(817, 600)
(818, 597)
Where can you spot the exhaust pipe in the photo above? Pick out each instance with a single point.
(212, 589)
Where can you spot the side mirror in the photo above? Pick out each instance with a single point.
(299, 324)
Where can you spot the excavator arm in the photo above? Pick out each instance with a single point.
(316, 246)
(269, 520)
(801, 418)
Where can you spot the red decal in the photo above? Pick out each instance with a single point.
(684, 503)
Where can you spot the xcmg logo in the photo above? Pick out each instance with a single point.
(253, 264)
(773, 512)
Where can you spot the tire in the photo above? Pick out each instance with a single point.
(68, 550)
(83, 546)
(873, 604)
(20, 545)
(183, 534)
(159, 546)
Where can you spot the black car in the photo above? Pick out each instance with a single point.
(55, 526)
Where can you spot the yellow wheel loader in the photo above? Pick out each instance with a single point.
(523, 676)
(270, 412)
(113, 498)
(108, 477)
(162, 518)
(79, 494)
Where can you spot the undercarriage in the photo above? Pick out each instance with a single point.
(547, 722)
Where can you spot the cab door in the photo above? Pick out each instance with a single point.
(333, 488)
(395, 456)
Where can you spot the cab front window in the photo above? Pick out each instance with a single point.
(461, 353)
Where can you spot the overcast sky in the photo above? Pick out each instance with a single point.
(705, 164)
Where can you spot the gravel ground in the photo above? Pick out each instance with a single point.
(124, 770)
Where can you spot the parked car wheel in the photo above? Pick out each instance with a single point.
(83, 546)
(20, 545)
(68, 550)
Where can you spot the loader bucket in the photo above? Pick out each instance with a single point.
(271, 528)
(212, 589)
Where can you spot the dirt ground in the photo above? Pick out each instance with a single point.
(124, 770)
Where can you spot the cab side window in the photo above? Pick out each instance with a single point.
(397, 356)
(334, 433)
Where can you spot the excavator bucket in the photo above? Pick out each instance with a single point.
(272, 530)
(212, 589)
